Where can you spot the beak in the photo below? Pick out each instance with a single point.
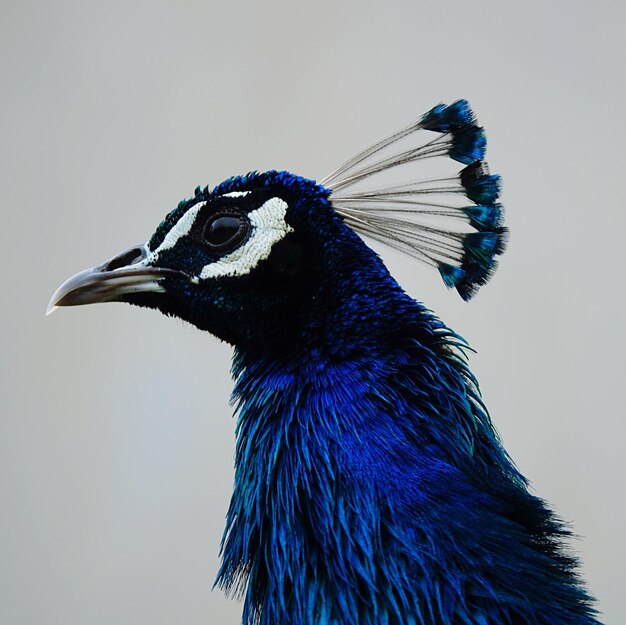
(125, 273)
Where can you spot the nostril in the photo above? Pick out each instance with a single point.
(126, 258)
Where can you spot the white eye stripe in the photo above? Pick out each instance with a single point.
(180, 229)
(268, 228)
(236, 194)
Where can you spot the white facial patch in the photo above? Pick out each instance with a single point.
(268, 228)
(183, 226)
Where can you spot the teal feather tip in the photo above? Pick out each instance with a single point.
(485, 218)
(469, 145)
(446, 118)
(481, 247)
(480, 186)
(451, 275)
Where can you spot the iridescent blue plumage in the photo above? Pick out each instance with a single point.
(370, 485)
(485, 218)
(468, 140)
(451, 274)
(468, 145)
(481, 247)
(480, 186)
(447, 118)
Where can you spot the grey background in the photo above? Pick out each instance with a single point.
(116, 440)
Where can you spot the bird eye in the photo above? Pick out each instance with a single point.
(225, 231)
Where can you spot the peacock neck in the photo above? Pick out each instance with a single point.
(322, 438)
(370, 486)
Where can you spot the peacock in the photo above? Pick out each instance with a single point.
(370, 484)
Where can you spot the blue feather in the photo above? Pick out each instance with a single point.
(451, 275)
(481, 247)
(444, 118)
(475, 276)
(480, 186)
(485, 217)
(468, 144)
(435, 119)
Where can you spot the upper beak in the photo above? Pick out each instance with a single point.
(125, 273)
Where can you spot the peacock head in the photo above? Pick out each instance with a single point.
(243, 261)
(258, 258)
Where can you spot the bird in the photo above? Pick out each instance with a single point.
(371, 486)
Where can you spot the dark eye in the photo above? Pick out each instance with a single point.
(225, 231)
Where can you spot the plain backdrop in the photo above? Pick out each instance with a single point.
(116, 437)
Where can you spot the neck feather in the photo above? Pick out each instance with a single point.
(370, 485)
(325, 446)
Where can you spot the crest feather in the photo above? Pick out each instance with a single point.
(430, 219)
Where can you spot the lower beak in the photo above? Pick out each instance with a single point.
(124, 274)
